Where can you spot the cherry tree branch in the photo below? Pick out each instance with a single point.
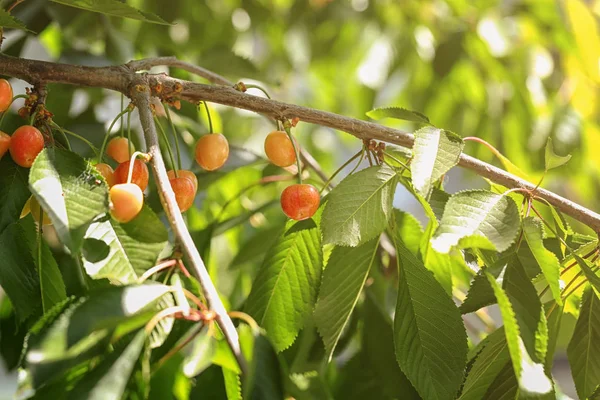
(118, 77)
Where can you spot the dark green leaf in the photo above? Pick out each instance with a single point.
(200, 358)
(433, 359)
(589, 273)
(343, 279)
(113, 8)
(13, 191)
(265, 378)
(360, 207)
(8, 21)
(398, 113)
(256, 246)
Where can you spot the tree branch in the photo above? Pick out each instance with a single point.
(118, 78)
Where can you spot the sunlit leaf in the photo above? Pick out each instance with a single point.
(359, 208)
(113, 8)
(436, 151)
(553, 160)
(583, 22)
(473, 215)
(8, 21)
(398, 113)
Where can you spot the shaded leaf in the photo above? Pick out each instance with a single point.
(13, 193)
(200, 358)
(285, 290)
(432, 359)
(359, 208)
(435, 152)
(113, 8)
(343, 279)
(265, 379)
(477, 214)
(8, 21)
(398, 113)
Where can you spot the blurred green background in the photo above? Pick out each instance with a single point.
(511, 72)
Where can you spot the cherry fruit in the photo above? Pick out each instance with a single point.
(126, 201)
(183, 173)
(300, 201)
(4, 143)
(184, 192)
(212, 151)
(107, 172)
(25, 144)
(118, 149)
(139, 176)
(6, 95)
(33, 206)
(279, 149)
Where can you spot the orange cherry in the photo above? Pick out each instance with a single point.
(6, 95)
(107, 172)
(118, 149)
(300, 201)
(126, 201)
(279, 149)
(183, 173)
(184, 192)
(212, 151)
(25, 144)
(139, 176)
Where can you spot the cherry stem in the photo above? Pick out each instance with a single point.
(16, 3)
(132, 163)
(34, 115)
(167, 144)
(354, 157)
(210, 124)
(105, 142)
(63, 130)
(360, 160)
(64, 135)
(395, 159)
(157, 268)
(164, 313)
(194, 299)
(483, 142)
(122, 125)
(369, 157)
(251, 86)
(168, 113)
(20, 96)
(129, 142)
(296, 151)
(247, 319)
(183, 269)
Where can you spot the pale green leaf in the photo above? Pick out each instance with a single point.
(285, 290)
(474, 218)
(71, 191)
(553, 160)
(532, 230)
(584, 348)
(589, 273)
(233, 384)
(489, 363)
(343, 279)
(8, 21)
(113, 8)
(398, 113)
(201, 355)
(360, 207)
(433, 359)
(435, 152)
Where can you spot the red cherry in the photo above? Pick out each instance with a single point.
(6, 95)
(25, 144)
(126, 201)
(212, 151)
(107, 172)
(300, 201)
(4, 143)
(118, 149)
(279, 149)
(182, 173)
(140, 174)
(184, 192)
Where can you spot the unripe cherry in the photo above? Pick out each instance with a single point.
(36, 209)
(107, 172)
(6, 95)
(118, 149)
(139, 176)
(279, 149)
(184, 192)
(4, 143)
(25, 144)
(212, 151)
(183, 173)
(300, 201)
(126, 201)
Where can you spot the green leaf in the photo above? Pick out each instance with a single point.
(532, 229)
(480, 292)
(109, 379)
(18, 275)
(553, 160)
(71, 191)
(584, 348)
(285, 290)
(14, 191)
(200, 358)
(398, 113)
(477, 214)
(588, 272)
(8, 21)
(359, 208)
(433, 359)
(489, 363)
(233, 384)
(435, 151)
(256, 246)
(530, 375)
(113, 8)
(265, 378)
(52, 286)
(343, 279)
(408, 228)
(528, 310)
